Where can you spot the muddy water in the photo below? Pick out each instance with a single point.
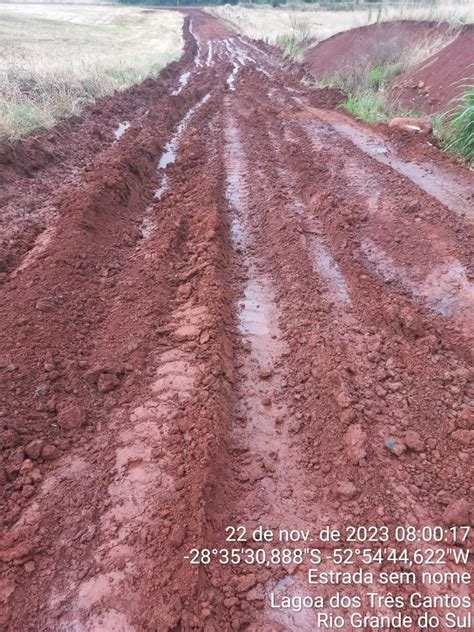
(209, 54)
(260, 53)
(325, 265)
(197, 59)
(183, 81)
(169, 155)
(121, 129)
(440, 183)
(446, 289)
(237, 51)
(231, 78)
(161, 190)
(148, 225)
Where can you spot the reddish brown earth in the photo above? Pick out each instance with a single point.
(362, 46)
(428, 87)
(227, 339)
(434, 85)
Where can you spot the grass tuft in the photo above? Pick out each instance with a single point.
(459, 129)
(369, 106)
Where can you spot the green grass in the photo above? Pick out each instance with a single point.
(365, 87)
(454, 130)
(368, 106)
(293, 46)
(459, 128)
(19, 119)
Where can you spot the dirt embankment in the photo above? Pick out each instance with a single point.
(433, 85)
(429, 87)
(364, 46)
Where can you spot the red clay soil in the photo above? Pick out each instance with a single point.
(362, 46)
(429, 87)
(433, 85)
(31, 169)
(242, 312)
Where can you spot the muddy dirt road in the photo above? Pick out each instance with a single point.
(222, 304)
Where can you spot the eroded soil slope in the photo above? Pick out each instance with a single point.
(435, 84)
(430, 86)
(240, 309)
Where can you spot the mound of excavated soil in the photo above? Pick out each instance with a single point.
(433, 84)
(362, 46)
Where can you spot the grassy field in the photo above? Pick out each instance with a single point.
(293, 27)
(279, 26)
(57, 58)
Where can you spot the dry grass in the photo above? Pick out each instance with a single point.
(454, 12)
(55, 58)
(273, 25)
(280, 25)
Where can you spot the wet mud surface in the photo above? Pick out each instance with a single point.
(222, 316)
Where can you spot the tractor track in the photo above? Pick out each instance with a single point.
(214, 313)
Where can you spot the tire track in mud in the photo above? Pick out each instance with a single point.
(132, 515)
(37, 168)
(208, 309)
(271, 494)
(438, 280)
(350, 330)
(453, 193)
(106, 379)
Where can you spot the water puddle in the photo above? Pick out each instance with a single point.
(161, 190)
(324, 265)
(148, 225)
(254, 318)
(258, 325)
(449, 188)
(169, 155)
(228, 47)
(209, 54)
(231, 78)
(262, 415)
(240, 58)
(446, 288)
(121, 129)
(197, 59)
(183, 80)
(261, 53)
(257, 311)
(237, 234)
